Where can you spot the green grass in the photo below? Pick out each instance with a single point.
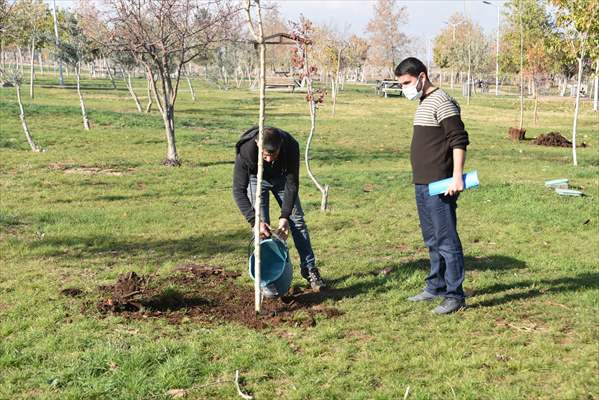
(530, 333)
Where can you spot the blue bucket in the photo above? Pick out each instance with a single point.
(275, 267)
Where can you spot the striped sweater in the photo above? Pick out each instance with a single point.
(438, 129)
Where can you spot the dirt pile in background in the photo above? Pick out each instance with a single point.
(208, 294)
(554, 139)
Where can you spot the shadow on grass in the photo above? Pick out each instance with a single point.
(585, 281)
(211, 163)
(374, 281)
(496, 262)
(156, 250)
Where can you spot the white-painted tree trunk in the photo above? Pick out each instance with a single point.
(57, 42)
(32, 68)
(41, 61)
(596, 94)
(536, 106)
(132, 92)
(324, 190)
(259, 36)
(564, 87)
(521, 67)
(81, 102)
(149, 105)
(193, 93)
(20, 60)
(172, 158)
(577, 107)
(110, 75)
(28, 136)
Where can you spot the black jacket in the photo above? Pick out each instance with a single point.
(246, 165)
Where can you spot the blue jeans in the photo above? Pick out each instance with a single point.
(297, 224)
(439, 230)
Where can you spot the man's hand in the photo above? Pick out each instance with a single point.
(283, 230)
(264, 230)
(456, 186)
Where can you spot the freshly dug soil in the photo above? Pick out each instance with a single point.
(210, 295)
(516, 133)
(554, 139)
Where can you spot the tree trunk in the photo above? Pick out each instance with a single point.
(259, 37)
(28, 136)
(32, 69)
(193, 94)
(2, 54)
(149, 106)
(324, 190)
(41, 61)
(577, 107)
(564, 87)
(521, 67)
(335, 82)
(110, 75)
(20, 60)
(172, 158)
(596, 86)
(132, 92)
(152, 82)
(536, 107)
(83, 112)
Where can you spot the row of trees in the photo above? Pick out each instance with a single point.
(168, 40)
(545, 42)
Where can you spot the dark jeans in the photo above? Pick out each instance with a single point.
(299, 230)
(439, 229)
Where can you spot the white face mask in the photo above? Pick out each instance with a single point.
(411, 92)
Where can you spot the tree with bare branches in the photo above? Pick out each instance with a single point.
(301, 33)
(258, 34)
(164, 36)
(76, 50)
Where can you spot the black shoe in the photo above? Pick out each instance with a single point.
(312, 275)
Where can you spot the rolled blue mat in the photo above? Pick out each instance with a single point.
(440, 187)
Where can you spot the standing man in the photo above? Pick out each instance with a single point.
(438, 151)
(281, 177)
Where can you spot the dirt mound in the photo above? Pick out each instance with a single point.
(211, 295)
(554, 139)
(125, 293)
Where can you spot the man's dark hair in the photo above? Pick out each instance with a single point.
(411, 66)
(272, 139)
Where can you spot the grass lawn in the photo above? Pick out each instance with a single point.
(97, 204)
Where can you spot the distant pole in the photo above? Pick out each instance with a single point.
(469, 58)
(497, 57)
(61, 79)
